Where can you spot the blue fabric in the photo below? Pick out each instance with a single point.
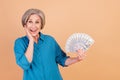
(46, 57)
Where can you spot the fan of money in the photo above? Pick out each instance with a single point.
(78, 41)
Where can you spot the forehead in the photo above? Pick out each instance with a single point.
(34, 17)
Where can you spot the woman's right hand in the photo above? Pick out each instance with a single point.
(28, 34)
(29, 51)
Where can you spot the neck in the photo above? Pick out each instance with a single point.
(36, 38)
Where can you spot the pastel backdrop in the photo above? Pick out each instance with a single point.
(98, 18)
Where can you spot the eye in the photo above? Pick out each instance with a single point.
(37, 22)
(30, 22)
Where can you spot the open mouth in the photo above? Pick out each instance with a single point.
(33, 30)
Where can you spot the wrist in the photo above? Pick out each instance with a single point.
(31, 41)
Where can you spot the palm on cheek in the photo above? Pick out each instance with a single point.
(28, 33)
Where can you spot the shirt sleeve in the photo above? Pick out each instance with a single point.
(60, 55)
(19, 50)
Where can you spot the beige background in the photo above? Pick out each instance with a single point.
(98, 18)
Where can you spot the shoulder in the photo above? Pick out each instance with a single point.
(49, 37)
(20, 39)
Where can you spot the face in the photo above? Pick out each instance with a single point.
(34, 25)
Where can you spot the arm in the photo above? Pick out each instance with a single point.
(29, 51)
(80, 57)
(65, 60)
(23, 54)
(19, 50)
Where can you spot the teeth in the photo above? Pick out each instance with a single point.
(33, 30)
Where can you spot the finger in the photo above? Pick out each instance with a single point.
(82, 56)
(80, 51)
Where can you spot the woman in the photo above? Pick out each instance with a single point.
(39, 54)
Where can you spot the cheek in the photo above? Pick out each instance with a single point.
(39, 26)
(28, 26)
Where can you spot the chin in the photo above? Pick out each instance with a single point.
(35, 34)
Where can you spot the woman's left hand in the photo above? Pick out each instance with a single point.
(81, 54)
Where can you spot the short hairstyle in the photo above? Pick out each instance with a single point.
(30, 12)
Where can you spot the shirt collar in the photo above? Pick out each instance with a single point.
(41, 36)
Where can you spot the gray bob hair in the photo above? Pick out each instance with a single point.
(30, 12)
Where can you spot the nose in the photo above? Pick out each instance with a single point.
(33, 25)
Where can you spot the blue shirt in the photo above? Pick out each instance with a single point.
(46, 57)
